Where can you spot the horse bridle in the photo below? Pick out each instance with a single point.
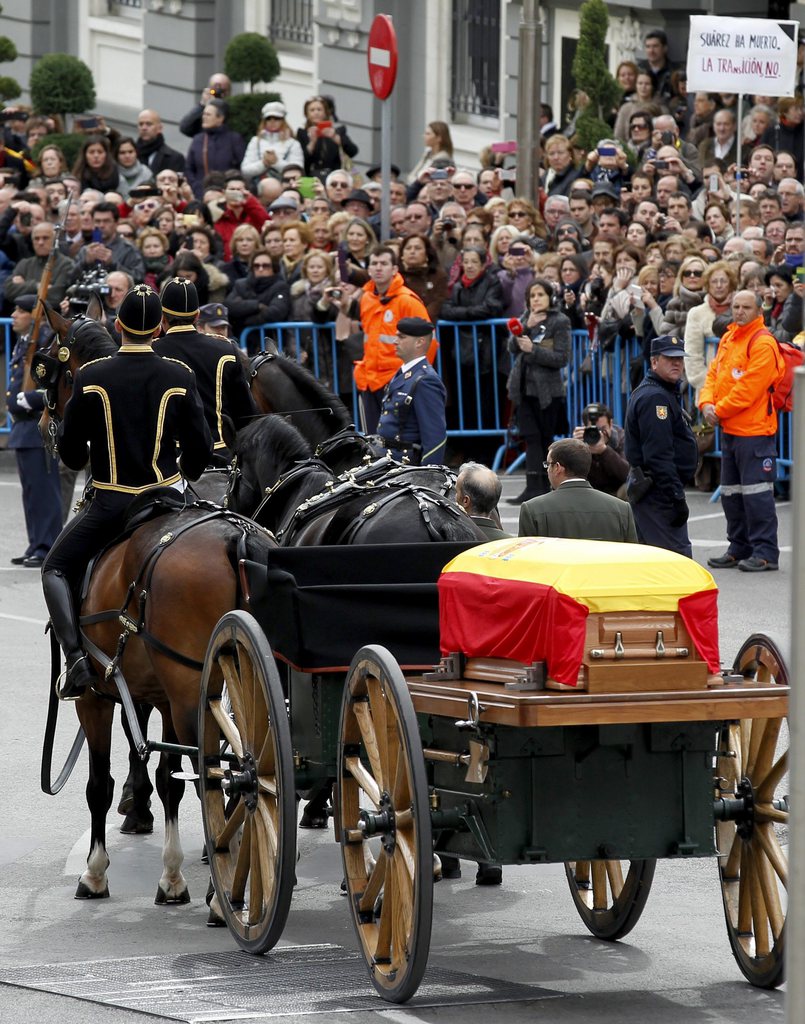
(46, 369)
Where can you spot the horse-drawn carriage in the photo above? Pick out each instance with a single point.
(577, 715)
(544, 701)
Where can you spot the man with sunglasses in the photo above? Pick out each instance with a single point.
(465, 190)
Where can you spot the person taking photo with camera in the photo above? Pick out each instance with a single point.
(609, 469)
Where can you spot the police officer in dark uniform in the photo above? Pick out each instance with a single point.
(37, 470)
(216, 362)
(131, 409)
(412, 420)
(661, 450)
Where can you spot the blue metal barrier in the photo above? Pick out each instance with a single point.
(476, 386)
(8, 345)
(314, 346)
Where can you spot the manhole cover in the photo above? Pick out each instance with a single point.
(210, 987)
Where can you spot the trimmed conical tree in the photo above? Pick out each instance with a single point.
(592, 74)
(250, 57)
(61, 84)
(9, 87)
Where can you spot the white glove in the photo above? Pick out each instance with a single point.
(23, 402)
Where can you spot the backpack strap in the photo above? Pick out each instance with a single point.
(764, 330)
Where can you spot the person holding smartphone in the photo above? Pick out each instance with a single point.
(326, 145)
(273, 146)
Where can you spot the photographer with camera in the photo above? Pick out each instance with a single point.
(609, 469)
(107, 250)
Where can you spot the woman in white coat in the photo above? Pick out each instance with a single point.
(273, 147)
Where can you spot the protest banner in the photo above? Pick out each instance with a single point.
(742, 55)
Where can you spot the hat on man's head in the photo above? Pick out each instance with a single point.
(140, 312)
(667, 345)
(283, 202)
(415, 327)
(605, 188)
(26, 302)
(358, 195)
(179, 298)
(215, 314)
(274, 110)
(377, 169)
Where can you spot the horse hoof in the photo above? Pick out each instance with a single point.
(137, 826)
(162, 898)
(83, 892)
(214, 920)
(312, 820)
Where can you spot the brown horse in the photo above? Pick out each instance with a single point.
(170, 580)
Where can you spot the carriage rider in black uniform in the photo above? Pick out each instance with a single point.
(412, 418)
(131, 409)
(216, 362)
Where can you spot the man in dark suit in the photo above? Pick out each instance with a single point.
(478, 493)
(574, 508)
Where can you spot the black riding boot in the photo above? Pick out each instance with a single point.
(59, 599)
(533, 489)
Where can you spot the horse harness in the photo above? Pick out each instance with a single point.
(381, 495)
(135, 623)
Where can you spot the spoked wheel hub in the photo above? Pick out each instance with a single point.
(243, 783)
(383, 824)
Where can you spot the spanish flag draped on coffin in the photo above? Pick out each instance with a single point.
(528, 599)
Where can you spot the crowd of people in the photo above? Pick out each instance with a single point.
(649, 234)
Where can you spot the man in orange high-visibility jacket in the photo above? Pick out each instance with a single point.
(385, 301)
(736, 396)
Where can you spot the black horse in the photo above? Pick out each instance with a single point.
(302, 502)
(280, 385)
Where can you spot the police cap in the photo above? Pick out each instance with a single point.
(26, 302)
(140, 312)
(667, 345)
(179, 298)
(414, 327)
(214, 313)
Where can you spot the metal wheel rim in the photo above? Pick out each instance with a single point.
(610, 895)
(753, 863)
(382, 772)
(248, 801)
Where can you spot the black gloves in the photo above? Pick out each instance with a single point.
(679, 512)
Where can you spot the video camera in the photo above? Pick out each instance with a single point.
(81, 291)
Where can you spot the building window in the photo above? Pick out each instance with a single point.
(475, 73)
(291, 22)
(124, 6)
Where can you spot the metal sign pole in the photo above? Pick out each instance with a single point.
(385, 169)
(795, 921)
(738, 161)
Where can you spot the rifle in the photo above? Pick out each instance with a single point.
(28, 383)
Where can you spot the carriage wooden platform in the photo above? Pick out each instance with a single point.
(566, 705)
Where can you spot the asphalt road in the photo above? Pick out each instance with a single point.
(675, 968)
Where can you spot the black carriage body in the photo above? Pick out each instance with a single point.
(551, 794)
(319, 605)
(626, 792)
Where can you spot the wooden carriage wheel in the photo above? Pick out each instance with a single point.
(383, 822)
(247, 783)
(608, 900)
(752, 767)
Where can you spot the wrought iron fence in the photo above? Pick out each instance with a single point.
(475, 67)
(291, 22)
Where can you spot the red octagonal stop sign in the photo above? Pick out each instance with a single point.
(382, 56)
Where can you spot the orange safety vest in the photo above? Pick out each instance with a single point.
(738, 380)
(379, 317)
